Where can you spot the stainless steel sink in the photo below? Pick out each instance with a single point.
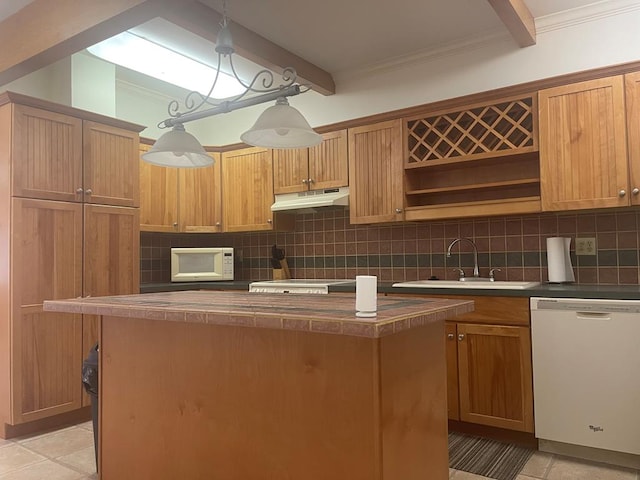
(503, 285)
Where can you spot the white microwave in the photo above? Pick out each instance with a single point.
(201, 264)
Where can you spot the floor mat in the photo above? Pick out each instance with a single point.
(489, 458)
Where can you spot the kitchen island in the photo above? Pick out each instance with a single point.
(239, 386)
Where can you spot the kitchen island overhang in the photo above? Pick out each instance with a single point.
(231, 385)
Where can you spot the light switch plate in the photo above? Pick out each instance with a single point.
(585, 246)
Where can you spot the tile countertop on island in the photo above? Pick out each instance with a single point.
(333, 314)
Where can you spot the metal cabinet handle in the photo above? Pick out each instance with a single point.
(398, 210)
(311, 180)
(305, 181)
(635, 191)
(175, 224)
(461, 336)
(269, 220)
(217, 224)
(450, 336)
(622, 193)
(88, 191)
(79, 191)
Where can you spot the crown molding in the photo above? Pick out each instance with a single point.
(585, 14)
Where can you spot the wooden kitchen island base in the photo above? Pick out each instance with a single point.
(184, 400)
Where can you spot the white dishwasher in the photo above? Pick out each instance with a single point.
(586, 372)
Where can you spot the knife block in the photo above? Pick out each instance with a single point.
(282, 273)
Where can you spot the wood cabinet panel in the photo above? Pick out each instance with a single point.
(47, 154)
(583, 145)
(111, 171)
(112, 250)
(46, 264)
(247, 183)
(291, 170)
(46, 364)
(375, 173)
(453, 407)
(329, 162)
(158, 196)
(200, 198)
(632, 91)
(495, 377)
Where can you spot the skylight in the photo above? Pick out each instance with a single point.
(141, 55)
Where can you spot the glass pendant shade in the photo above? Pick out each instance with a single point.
(281, 126)
(178, 148)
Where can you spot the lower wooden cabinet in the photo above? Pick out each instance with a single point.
(494, 377)
(58, 250)
(489, 373)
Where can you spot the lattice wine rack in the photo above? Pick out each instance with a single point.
(502, 127)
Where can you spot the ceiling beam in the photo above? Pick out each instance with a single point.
(41, 33)
(205, 22)
(518, 19)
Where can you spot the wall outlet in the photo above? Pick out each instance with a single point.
(585, 246)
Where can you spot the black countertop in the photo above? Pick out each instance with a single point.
(613, 292)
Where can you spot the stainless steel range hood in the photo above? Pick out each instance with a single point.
(311, 200)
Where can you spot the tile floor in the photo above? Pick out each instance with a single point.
(67, 454)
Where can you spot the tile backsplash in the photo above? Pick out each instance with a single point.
(325, 245)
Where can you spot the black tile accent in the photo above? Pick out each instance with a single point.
(373, 260)
(437, 260)
(340, 261)
(361, 261)
(385, 261)
(351, 261)
(424, 260)
(514, 259)
(330, 262)
(627, 258)
(531, 259)
(397, 260)
(411, 260)
(607, 258)
(586, 260)
(318, 262)
(498, 260)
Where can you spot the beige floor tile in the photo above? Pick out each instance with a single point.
(14, 456)
(34, 436)
(537, 465)
(5, 442)
(83, 460)
(564, 468)
(46, 469)
(460, 475)
(86, 425)
(526, 477)
(61, 443)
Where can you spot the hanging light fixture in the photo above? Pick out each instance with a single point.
(280, 126)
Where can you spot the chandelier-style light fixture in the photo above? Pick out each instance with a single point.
(279, 126)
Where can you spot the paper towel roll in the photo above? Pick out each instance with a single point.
(559, 260)
(366, 295)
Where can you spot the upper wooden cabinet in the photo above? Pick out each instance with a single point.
(584, 161)
(632, 90)
(315, 168)
(375, 173)
(180, 200)
(61, 157)
(247, 182)
(481, 160)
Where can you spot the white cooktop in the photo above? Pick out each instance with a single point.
(297, 285)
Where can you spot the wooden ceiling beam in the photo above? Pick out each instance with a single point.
(44, 32)
(518, 19)
(205, 22)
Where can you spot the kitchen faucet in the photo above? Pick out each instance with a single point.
(476, 272)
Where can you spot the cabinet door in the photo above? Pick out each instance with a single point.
(328, 162)
(247, 185)
(632, 90)
(583, 145)
(452, 371)
(46, 155)
(200, 198)
(375, 173)
(495, 379)
(111, 165)
(46, 263)
(158, 196)
(291, 170)
(111, 250)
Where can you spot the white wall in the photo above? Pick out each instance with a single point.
(603, 34)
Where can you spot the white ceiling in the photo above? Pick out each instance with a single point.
(339, 35)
